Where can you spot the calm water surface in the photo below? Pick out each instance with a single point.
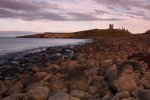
(13, 45)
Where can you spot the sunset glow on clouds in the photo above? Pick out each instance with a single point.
(73, 15)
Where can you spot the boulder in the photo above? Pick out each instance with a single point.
(106, 63)
(92, 89)
(46, 78)
(79, 85)
(91, 72)
(31, 79)
(147, 76)
(92, 63)
(111, 72)
(35, 69)
(59, 96)
(16, 96)
(62, 96)
(52, 68)
(36, 84)
(41, 75)
(120, 95)
(126, 80)
(39, 93)
(142, 94)
(72, 64)
(56, 85)
(3, 87)
(74, 98)
(15, 89)
(77, 93)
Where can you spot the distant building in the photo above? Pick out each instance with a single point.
(111, 26)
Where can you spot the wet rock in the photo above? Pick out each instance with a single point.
(77, 93)
(39, 93)
(41, 75)
(56, 85)
(31, 79)
(111, 72)
(147, 76)
(106, 62)
(62, 96)
(79, 85)
(92, 89)
(35, 69)
(98, 78)
(3, 87)
(88, 96)
(126, 80)
(72, 64)
(11, 71)
(1, 98)
(36, 84)
(89, 81)
(23, 76)
(92, 63)
(16, 96)
(91, 72)
(46, 78)
(53, 68)
(106, 97)
(73, 98)
(120, 95)
(142, 94)
(59, 96)
(16, 88)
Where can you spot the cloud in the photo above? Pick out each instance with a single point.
(98, 10)
(18, 5)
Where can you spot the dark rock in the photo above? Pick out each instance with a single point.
(31, 79)
(142, 94)
(111, 72)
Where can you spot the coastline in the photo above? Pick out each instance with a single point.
(91, 71)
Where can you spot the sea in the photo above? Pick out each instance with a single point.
(10, 45)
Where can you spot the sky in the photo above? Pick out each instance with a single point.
(74, 15)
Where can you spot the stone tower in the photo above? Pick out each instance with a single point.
(111, 26)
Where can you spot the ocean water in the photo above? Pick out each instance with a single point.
(10, 45)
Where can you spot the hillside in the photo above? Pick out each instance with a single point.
(147, 32)
(82, 34)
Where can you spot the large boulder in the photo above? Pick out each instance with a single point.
(79, 85)
(62, 96)
(3, 87)
(142, 94)
(39, 93)
(126, 80)
(147, 76)
(56, 85)
(111, 72)
(16, 96)
(72, 64)
(16, 88)
(92, 63)
(92, 89)
(77, 93)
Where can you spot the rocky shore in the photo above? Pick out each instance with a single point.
(116, 68)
